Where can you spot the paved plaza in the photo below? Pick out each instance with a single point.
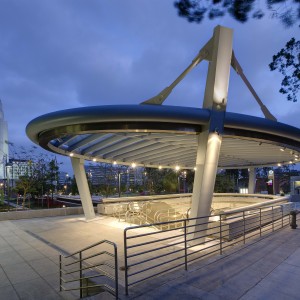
(29, 253)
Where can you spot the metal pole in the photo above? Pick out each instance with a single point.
(80, 273)
(272, 219)
(244, 227)
(185, 245)
(221, 250)
(12, 177)
(119, 184)
(125, 262)
(60, 274)
(116, 271)
(8, 186)
(260, 222)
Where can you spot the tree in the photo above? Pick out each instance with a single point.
(224, 183)
(74, 188)
(155, 180)
(283, 177)
(170, 181)
(1, 197)
(26, 184)
(286, 61)
(287, 11)
(52, 174)
(39, 176)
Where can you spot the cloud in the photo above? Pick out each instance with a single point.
(62, 54)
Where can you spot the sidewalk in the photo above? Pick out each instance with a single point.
(269, 269)
(29, 252)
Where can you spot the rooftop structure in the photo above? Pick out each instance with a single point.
(3, 143)
(166, 136)
(153, 135)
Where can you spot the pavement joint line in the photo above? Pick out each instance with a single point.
(11, 284)
(55, 247)
(257, 283)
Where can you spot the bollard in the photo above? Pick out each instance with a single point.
(293, 224)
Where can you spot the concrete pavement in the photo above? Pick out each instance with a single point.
(269, 269)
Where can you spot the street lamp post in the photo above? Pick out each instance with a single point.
(67, 181)
(119, 184)
(8, 171)
(2, 193)
(145, 182)
(183, 176)
(119, 181)
(184, 181)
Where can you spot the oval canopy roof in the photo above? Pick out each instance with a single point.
(155, 135)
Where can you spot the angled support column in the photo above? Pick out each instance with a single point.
(83, 187)
(210, 139)
(252, 180)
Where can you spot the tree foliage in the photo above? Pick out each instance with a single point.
(37, 173)
(26, 185)
(39, 177)
(287, 11)
(154, 183)
(287, 62)
(224, 183)
(74, 187)
(170, 181)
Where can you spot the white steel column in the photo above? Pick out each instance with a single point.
(252, 180)
(210, 140)
(83, 188)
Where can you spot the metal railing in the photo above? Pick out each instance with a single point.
(143, 213)
(90, 270)
(150, 252)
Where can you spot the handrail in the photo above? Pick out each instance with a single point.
(182, 195)
(257, 205)
(89, 247)
(91, 256)
(149, 254)
(78, 258)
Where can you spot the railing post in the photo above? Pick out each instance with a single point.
(260, 222)
(185, 245)
(116, 271)
(60, 273)
(281, 216)
(220, 225)
(272, 219)
(125, 262)
(244, 227)
(80, 273)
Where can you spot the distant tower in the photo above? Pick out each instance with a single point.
(3, 143)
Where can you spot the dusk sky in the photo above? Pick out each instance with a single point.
(60, 54)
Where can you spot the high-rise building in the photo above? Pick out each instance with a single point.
(4, 153)
(16, 168)
(108, 174)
